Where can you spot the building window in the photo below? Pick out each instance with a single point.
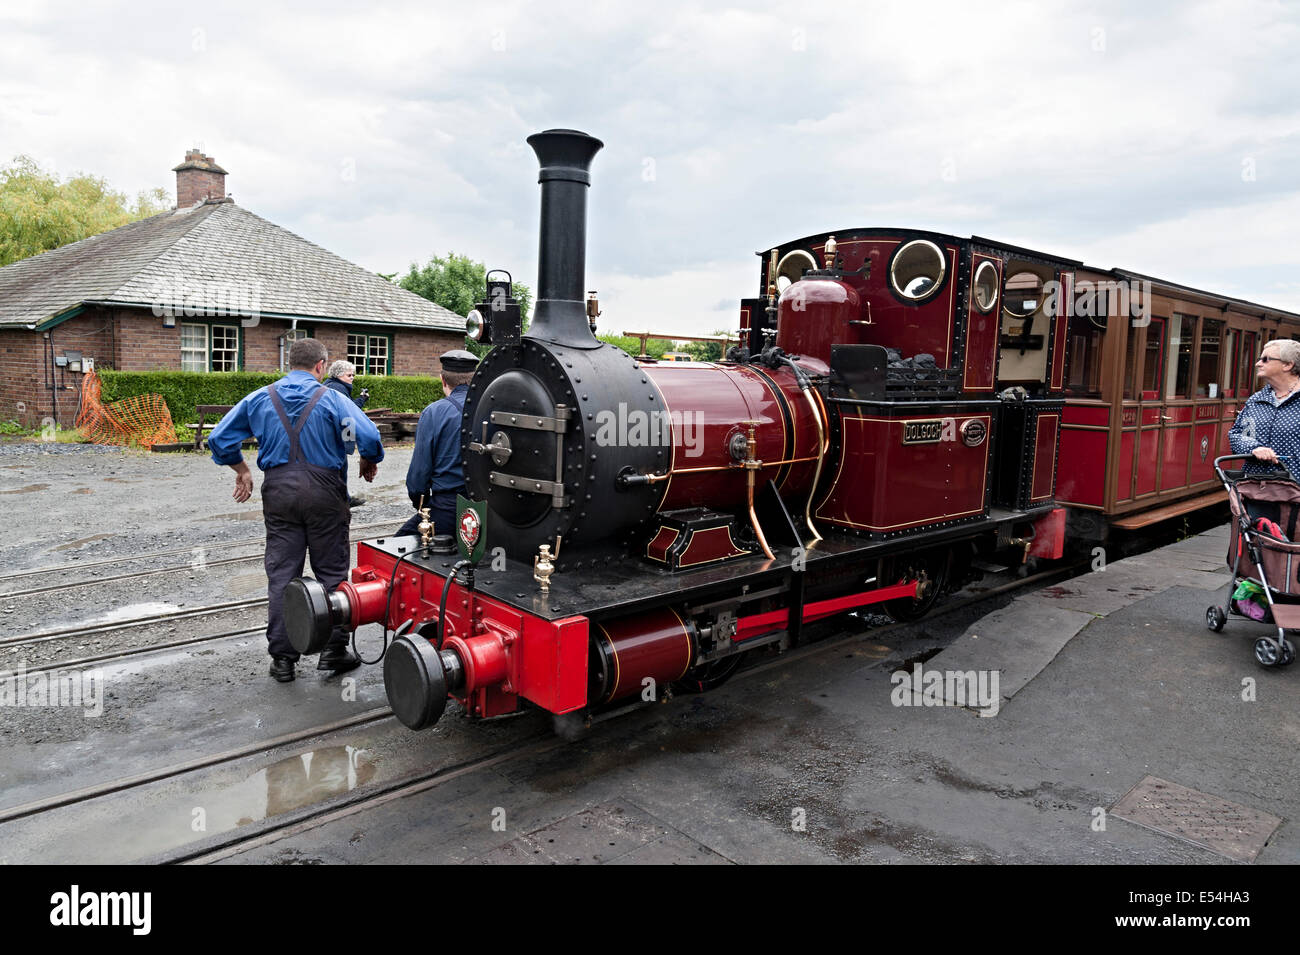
(194, 348)
(209, 348)
(370, 353)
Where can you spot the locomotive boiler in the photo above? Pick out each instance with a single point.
(638, 526)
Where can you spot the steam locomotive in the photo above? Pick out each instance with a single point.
(636, 526)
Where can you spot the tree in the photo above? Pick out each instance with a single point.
(39, 213)
(458, 283)
(654, 347)
(708, 351)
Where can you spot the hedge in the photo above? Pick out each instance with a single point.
(185, 390)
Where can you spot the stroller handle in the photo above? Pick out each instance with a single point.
(1276, 465)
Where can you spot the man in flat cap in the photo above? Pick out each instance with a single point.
(435, 472)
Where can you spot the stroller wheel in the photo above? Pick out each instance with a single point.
(1268, 652)
(1215, 618)
(1288, 653)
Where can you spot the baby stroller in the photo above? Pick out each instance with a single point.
(1263, 551)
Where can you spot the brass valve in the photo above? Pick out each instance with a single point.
(543, 568)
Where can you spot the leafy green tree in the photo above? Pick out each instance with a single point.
(38, 212)
(654, 347)
(457, 282)
(708, 351)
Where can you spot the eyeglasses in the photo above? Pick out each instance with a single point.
(1265, 359)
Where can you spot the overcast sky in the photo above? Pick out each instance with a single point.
(1160, 137)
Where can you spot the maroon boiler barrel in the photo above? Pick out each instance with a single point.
(707, 406)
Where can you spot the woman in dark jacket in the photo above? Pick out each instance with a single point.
(341, 375)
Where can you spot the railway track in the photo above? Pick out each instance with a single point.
(227, 844)
(79, 569)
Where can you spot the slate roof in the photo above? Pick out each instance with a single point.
(214, 251)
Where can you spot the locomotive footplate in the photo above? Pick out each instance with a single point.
(621, 586)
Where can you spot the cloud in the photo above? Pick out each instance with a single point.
(390, 132)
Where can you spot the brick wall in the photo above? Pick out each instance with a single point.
(135, 340)
(415, 353)
(25, 367)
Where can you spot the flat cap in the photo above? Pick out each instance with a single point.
(458, 361)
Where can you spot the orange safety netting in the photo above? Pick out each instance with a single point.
(140, 420)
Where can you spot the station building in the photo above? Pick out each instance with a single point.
(206, 286)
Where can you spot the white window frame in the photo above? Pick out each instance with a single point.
(189, 355)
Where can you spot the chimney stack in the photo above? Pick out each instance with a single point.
(198, 178)
(560, 314)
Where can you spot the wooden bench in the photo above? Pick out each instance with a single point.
(216, 411)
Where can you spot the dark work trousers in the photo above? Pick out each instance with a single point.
(306, 510)
(442, 511)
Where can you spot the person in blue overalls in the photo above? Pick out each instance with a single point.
(301, 429)
(435, 473)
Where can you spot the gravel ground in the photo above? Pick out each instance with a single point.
(69, 503)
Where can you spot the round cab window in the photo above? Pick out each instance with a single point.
(986, 286)
(792, 267)
(918, 270)
(1023, 295)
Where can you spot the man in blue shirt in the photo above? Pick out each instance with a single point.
(301, 429)
(435, 473)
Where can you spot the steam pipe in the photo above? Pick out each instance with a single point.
(560, 315)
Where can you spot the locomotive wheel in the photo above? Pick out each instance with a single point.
(1268, 653)
(931, 575)
(1215, 618)
(710, 676)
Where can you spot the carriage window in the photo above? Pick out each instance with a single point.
(1208, 381)
(1178, 370)
(1246, 366)
(1131, 363)
(1083, 356)
(1153, 360)
(1228, 365)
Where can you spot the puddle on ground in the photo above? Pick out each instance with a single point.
(82, 542)
(132, 611)
(297, 781)
(26, 490)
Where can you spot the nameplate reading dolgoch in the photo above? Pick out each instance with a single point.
(923, 432)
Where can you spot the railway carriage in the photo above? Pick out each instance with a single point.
(903, 404)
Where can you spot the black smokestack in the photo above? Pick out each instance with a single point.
(560, 316)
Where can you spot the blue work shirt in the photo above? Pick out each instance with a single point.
(322, 438)
(435, 462)
(1266, 422)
